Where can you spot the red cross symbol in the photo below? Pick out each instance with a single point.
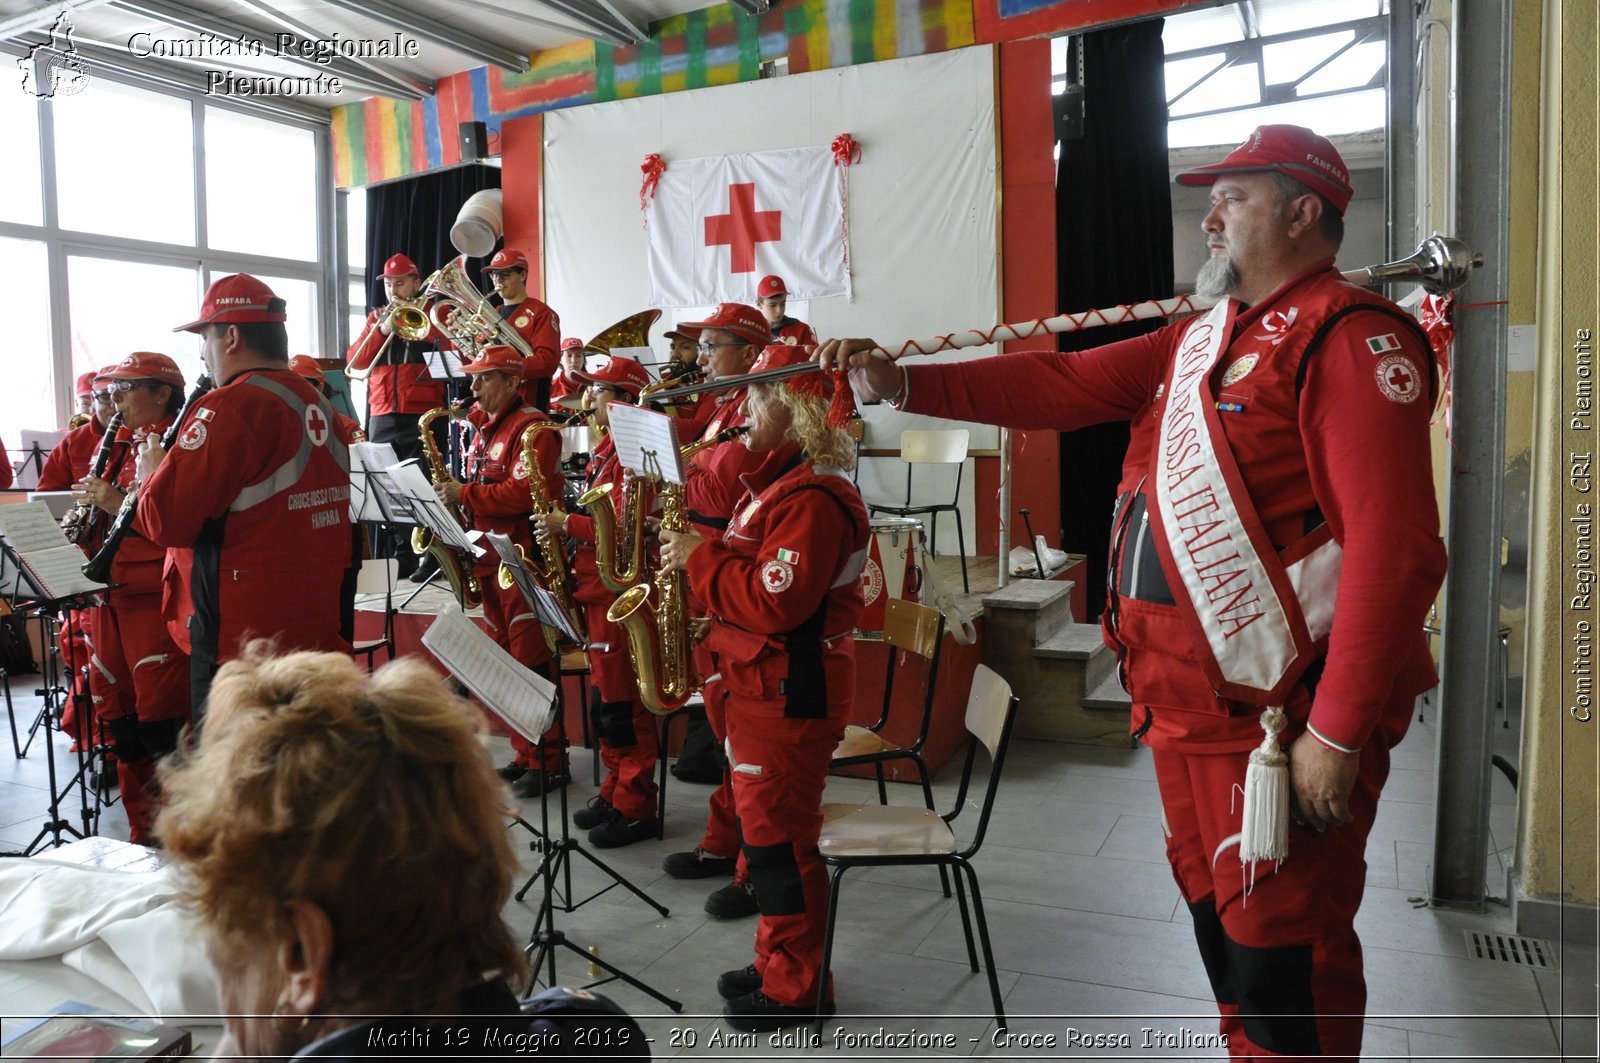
(316, 427)
(743, 227)
(1400, 380)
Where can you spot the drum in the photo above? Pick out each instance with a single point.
(892, 569)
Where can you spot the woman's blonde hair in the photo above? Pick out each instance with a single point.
(823, 444)
(370, 797)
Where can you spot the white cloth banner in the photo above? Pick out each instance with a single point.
(718, 225)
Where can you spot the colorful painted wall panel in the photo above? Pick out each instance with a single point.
(381, 139)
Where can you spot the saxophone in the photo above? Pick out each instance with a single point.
(617, 572)
(463, 581)
(550, 564)
(658, 631)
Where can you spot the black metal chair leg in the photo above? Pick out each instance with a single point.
(883, 792)
(827, 946)
(966, 924)
(927, 797)
(988, 949)
(961, 541)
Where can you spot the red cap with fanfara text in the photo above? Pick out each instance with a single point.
(237, 299)
(145, 365)
(506, 259)
(85, 384)
(1291, 150)
(496, 358)
(399, 266)
(744, 321)
(624, 373)
(307, 367)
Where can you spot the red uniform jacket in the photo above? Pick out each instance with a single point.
(138, 562)
(540, 326)
(784, 589)
(792, 330)
(1322, 427)
(258, 487)
(399, 383)
(715, 475)
(497, 498)
(69, 461)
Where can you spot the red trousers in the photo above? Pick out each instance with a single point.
(779, 769)
(514, 626)
(629, 746)
(1282, 953)
(722, 826)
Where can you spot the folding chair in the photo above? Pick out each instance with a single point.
(377, 576)
(948, 447)
(899, 835)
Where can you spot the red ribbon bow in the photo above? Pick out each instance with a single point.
(845, 150)
(652, 168)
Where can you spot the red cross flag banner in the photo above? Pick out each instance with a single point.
(717, 225)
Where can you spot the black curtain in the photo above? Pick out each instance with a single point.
(413, 217)
(1114, 244)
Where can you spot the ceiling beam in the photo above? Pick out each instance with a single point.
(40, 17)
(585, 29)
(596, 20)
(429, 28)
(636, 31)
(205, 24)
(167, 77)
(377, 70)
(754, 7)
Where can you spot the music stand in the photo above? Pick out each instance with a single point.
(506, 686)
(375, 503)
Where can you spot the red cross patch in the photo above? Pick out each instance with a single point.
(1398, 379)
(871, 581)
(316, 426)
(777, 576)
(193, 436)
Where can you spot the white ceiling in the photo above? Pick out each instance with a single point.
(448, 36)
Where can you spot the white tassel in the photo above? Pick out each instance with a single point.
(1264, 819)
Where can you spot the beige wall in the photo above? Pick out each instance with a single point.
(1556, 844)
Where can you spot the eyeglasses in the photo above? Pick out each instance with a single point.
(123, 387)
(707, 348)
(101, 396)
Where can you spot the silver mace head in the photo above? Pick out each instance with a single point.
(1442, 264)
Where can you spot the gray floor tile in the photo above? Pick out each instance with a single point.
(1137, 838)
(1471, 1046)
(1381, 1044)
(1495, 1005)
(1391, 919)
(1084, 832)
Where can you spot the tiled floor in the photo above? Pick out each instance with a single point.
(1086, 921)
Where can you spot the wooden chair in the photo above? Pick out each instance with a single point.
(948, 447)
(899, 835)
(908, 628)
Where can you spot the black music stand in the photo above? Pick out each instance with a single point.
(376, 507)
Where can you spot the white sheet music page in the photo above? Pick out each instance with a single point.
(443, 365)
(53, 566)
(520, 696)
(416, 490)
(647, 441)
(371, 488)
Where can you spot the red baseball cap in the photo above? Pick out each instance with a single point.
(1291, 150)
(572, 343)
(307, 367)
(497, 358)
(683, 332)
(624, 373)
(400, 266)
(145, 365)
(746, 322)
(237, 299)
(85, 384)
(507, 259)
(771, 285)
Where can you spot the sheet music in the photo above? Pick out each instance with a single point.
(521, 697)
(412, 486)
(443, 365)
(36, 447)
(373, 495)
(647, 441)
(52, 567)
(539, 598)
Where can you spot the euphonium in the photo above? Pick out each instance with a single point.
(466, 315)
(550, 564)
(456, 569)
(658, 632)
(81, 518)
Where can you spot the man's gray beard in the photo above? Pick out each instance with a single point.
(1216, 278)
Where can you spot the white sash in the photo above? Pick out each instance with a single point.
(1242, 604)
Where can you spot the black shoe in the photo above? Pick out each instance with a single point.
(744, 981)
(756, 1012)
(590, 816)
(733, 901)
(618, 830)
(698, 864)
(512, 772)
(428, 569)
(536, 783)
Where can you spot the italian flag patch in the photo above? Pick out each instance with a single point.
(790, 556)
(1383, 344)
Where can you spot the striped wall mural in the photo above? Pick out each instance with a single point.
(381, 139)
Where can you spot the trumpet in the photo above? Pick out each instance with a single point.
(465, 315)
(406, 318)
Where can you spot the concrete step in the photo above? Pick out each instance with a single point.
(1108, 695)
(1083, 642)
(1030, 609)
(1051, 682)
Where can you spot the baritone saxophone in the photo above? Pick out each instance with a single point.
(457, 570)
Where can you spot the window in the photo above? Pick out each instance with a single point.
(26, 400)
(118, 307)
(301, 296)
(261, 186)
(21, 198)
(149, 193)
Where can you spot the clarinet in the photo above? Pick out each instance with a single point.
(98, 567)
(78, 523)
